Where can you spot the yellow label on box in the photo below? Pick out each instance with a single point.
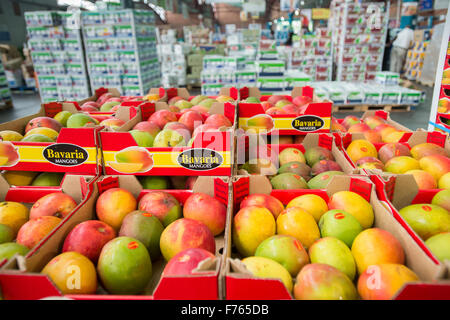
(87, 155)
(167, 158)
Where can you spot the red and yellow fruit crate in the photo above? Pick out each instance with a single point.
(209, 153)
(24, 281)
(425, 155)
(72, 150)
(310, 164)
(418, 276)
(443, 110)
(301, 113)
(36, 213)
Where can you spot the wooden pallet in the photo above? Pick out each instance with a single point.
(193, 86)
(6, 105)
(365, 107)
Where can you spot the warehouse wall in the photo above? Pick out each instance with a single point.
(15, 23)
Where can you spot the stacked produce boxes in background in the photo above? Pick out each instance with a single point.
(414, 60)
(173, 64)
(443, 99)
(5, 93)
(121, 50)
(224, 71)
(57, 54)
(271, 72)
(359, 38)
(371, 93)
(313, 56)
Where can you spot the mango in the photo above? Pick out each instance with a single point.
(382, 281)
(37, 138)
(402, 164)
(426, 220)
(321, 180)
(285, 250)
(436, 164)
(444, 181)
(312, 203)
(154, 182)
(423, 179)
(19, 178)
(358, 149)
(427, 149)
(287, 181)
(124, 266)
(48, 179)
(9, 249)
(144, 227)
(298, 223)
(333, 252)
(439, 245)
(251, 226)
(341, 225)
(315, 154)
(291, 154)
(79, 120)
(354, 204)
(266, 268)
(318, 281)
(13, 214)
(62, 117)
(52, 134)
(9, 135)
(442, 199)
(6, 233)
(72, 273)
(376, 246)
(260, 166)
(298, 168)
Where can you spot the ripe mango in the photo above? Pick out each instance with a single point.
(426, 220)
(267, 268)
(287, 181)
(427, 149)
(402, 164)
(436, 164)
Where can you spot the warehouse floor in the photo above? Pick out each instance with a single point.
(27, 104)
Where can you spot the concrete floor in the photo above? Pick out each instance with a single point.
(29, 103)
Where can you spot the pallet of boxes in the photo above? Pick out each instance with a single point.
(416, 55)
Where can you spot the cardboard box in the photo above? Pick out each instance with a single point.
(384, 115)
(211, 152)
(409, 139)
(79, 187)
(241, 285)
(23, 280)
(316, 118)
(75, 150)
(311, 140)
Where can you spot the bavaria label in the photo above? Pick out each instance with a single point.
(200, 159)
(65, 154)
(308, 123)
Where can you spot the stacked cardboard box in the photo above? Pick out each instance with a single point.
(358, 38)
(222, 71)
(414, 60)
(57, 54)
(313, 56)
(121, 50)
(173, 64)
(5, 93)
